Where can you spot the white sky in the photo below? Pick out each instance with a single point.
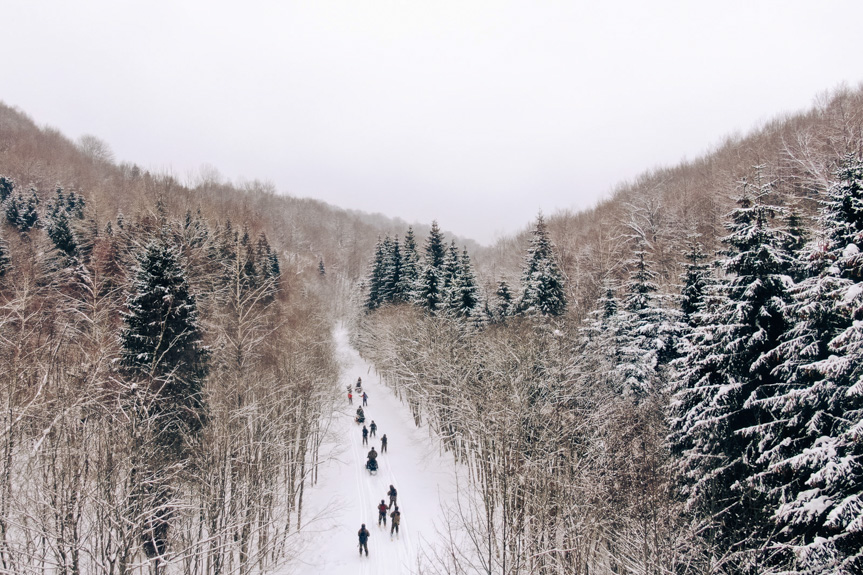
(478, 114)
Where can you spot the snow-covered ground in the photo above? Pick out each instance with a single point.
(346, 495)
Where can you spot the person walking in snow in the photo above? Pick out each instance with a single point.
(365, 399)
(396, 516)
(373, 427)
(384, 443)
(363, 534)
(350, 398)
(382, 513)
(393, 494)
(365, 435)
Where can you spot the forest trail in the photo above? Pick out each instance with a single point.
(346, 496)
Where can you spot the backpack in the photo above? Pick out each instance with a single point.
(397, 516)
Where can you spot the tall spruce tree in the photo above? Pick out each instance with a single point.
(392, 280)
(435, 248)
(542, 286)
(7, 185)
(725, 379)
(161, 341)
(467, 292)
(377, 277)
(813, 449)
(162, 350)
(410, 267)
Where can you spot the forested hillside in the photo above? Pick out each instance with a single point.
(668, 383)
(167, 359)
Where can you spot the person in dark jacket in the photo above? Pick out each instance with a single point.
(382, 513)
(396, 516)
(365, 435)
(373, 427)
(365, 399)
(393, 494)
(363, 534)
(384, 443)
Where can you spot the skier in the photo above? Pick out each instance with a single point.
(373, 427)
(350, 398)
(382, 513)
(384, 443)
(397, 518)
(363, 534)
(365, 435)
(365, 399)
(393, 494)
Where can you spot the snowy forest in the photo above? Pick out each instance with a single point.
(669, 382)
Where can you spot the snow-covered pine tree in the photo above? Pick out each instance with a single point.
(22, 212)
(467, 292)
(7, 185)
(601, 337)
(161, 342)
(57, 223)
(428, 294)
(503, 305)
(376, 279)
(814, 454)
(696, 278)
(434, 249)
(449, 277)
(410, 267)
(646, 340)
(162, 350)
(718, 412)
(392, 281)
(542, 286)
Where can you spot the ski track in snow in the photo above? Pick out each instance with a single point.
(346, 495)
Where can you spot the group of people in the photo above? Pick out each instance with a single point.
(383, 509)
(371, 464)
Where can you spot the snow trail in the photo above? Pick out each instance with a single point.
(347, 495)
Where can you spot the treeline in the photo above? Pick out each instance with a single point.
(701, 414)
(162, 390)
(443, 281)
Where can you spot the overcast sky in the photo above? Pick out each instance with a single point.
(477, 114)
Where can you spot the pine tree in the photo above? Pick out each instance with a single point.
(726, 377)
(696, 278)
(435, 250)
(376, 278)
(392, 271)
(813, 450)
(467, 292)
(428, 295)
(410, 267)
(542, 283)
(57, 223)
(503, 302)
(449, 277)
(22, 212)
(644, 343)
(7, 185)
(161, 341)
